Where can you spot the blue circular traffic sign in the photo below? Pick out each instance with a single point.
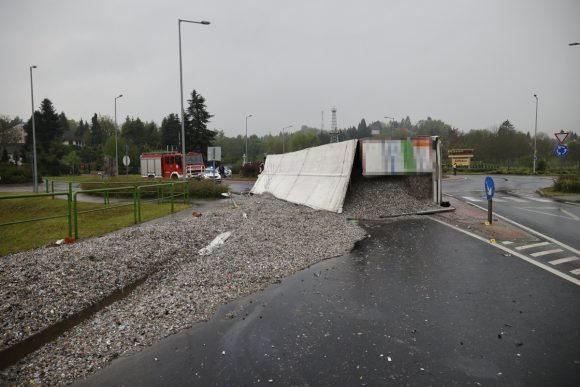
(489, 188)
(561, 150)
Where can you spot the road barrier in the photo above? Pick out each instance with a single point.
(33, 196)
(136, 193)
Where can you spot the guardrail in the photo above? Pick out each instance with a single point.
(136, 192)
(32, 196)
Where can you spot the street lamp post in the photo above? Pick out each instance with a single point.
(204, 22)
(248, 116)
(535, 135)
(284, 138)
(34, 170)
(116, 146)
(393, 127)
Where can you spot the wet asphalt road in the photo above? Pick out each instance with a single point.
(415, 304)
(516, 199)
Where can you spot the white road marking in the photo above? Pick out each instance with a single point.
(575, 281)
(571, 215)
(543, 213)
(547, 252)
(507, 242)
(499, 200)
(516, 199)
(532, 246)
(575, 271)
(472, 199)
(564, 260)
(550, 239)
(541, 200)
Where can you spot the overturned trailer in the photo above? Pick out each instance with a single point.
(319, 177)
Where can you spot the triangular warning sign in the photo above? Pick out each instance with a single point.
(562, 136)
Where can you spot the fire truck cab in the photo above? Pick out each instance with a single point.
(169, 165)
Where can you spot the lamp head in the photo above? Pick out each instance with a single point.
(120, 95)
(205, 22)
(535, 96)
(33, 67)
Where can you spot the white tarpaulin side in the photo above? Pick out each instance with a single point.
(316, 177)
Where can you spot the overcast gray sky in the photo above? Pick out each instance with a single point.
(472, 64)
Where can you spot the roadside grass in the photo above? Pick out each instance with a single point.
(552, 191)
(197, 188)
(25, 236)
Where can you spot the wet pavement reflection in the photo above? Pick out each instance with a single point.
(416, 303)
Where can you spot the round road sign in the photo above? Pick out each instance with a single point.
(126, 160)
(561, 150)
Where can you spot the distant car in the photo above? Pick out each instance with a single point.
(227, 171)
(211, 174)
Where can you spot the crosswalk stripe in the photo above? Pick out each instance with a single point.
(539, 200)
(532, 246)
(564, 260)
(472, 199)
(575, 271)
(542, 253)
(507, 242)
(516, 199)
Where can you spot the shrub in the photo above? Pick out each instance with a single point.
(251, 169)
(12, 174)
(568, 183)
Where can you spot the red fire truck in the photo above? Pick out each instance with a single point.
(169, 165)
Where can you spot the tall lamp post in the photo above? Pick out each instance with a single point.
(34, 170)
(393, 131)
(535, 135)
(284, 138)
(116, 146)
(204, 22)
(248, 116)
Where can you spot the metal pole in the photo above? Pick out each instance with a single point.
(392, 128)
(284, 138)
(535, 135)
(181, 101)
(116, 146)
(34, 170)
(184, 175)
(247, 158)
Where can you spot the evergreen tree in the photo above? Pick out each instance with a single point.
(97, 134)
(63, 121)
(171, 132)
(47, 127)
(197, 136)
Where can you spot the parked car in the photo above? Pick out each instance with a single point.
(211, 174)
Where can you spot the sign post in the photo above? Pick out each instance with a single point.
(489, 191)
(214, 153)
(561, 149)
(126, 160)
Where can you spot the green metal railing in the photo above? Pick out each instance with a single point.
(32, 196)
(135, 192)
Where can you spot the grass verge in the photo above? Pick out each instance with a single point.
(25, 236)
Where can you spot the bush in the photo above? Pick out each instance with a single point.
(207, 189)
(12, 174)
(569, 184)
(197, 189)
(251, 169)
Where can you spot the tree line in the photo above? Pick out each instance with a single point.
(499, 145)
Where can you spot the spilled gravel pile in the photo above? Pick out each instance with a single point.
(385, 196)
(270, 239)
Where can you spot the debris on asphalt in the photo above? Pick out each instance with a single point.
(217, 242)
(44, 286)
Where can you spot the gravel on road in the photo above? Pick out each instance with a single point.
(270, 239)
